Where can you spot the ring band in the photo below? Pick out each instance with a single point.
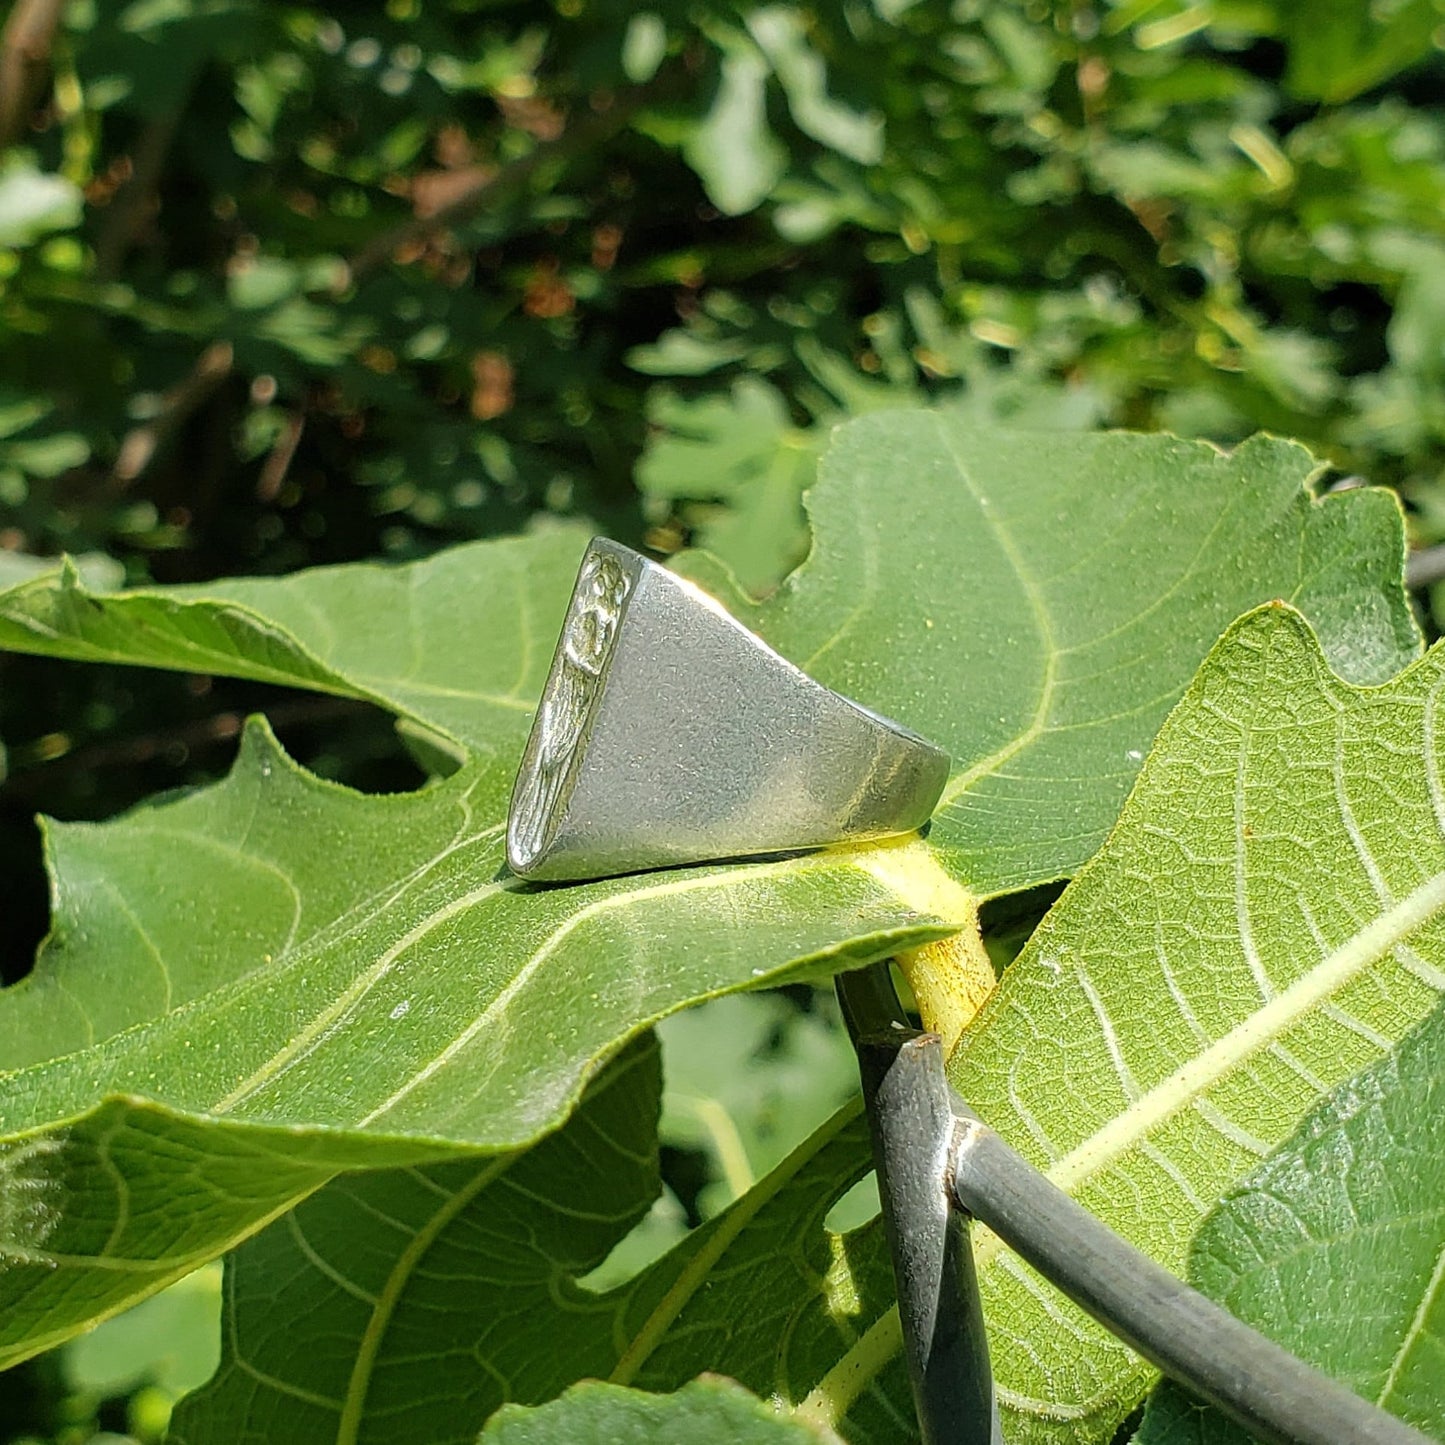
(670, 734)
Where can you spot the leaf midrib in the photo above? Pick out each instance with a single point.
(1042, 621)
(1039, 723)
(1266, 1025)
(527, 972)
(358, 1384)
(325, 1022)
(695, 1272)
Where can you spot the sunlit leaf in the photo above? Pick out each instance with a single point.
(278, 969)
(1334, 1246)
(733, 148)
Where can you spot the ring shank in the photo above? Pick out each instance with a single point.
(696, 741)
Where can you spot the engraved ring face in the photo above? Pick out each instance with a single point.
(669, 734)
(576, 677)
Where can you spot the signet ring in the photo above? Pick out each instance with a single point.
(669, 734)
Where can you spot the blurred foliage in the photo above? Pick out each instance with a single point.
(120, 1382)
(748, 1077)
(283, 284)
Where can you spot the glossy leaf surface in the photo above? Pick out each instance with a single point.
(275, 968)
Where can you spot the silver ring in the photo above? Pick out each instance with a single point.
(670, 734)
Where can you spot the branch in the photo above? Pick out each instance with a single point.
(25, 50)
(133, 201)
(1424, 567)
(577, 138)
(940, 1311)
(278, 461)
(215, 363)
(1273, 1394)
(141, 443)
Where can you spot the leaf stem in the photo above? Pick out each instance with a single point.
(951, 980)
(724, 1231)
(732, 1154)
(952, 977)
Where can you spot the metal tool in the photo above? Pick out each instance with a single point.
(669, 734)
(939, 1165)
(911, 1120)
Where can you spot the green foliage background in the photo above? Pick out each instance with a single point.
(284, 285)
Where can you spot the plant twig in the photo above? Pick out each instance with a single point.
(1425, 567)
(129, 207)
(25, 49)
(141, 443)
(1274, 1394)
(279, 459)
(574, 140)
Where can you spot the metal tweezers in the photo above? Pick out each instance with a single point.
(939, 1167)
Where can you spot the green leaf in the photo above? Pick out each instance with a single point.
(459, 643)
(1041, 600)
(434, 1275)
(644, 43)
(252, 987)
(741, 455)
(1044, 668)
(1336, 54)
(265, 281)
(570, 1199)
(803, 74)
(710, 1412)
(1417, 329)
(46, 456)
(172, 1339)
(380, 1268)
(749, 1077)
(356, 980)
(193, 940)
(1264, 920)
(32, 204)
(733, 466)
(767, 1293)
(97, 571)
(733, 148)
(1335, 1246)
(679, 352)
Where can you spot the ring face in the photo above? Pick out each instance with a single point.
(670, 734)
(575, 680)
